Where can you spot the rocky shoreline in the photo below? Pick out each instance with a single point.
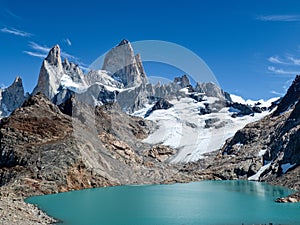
(14, 210)
(295, 197)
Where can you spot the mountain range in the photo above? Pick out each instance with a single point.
(112, 127)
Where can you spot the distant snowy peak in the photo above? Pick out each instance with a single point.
(260, 103)
(124, 65)
(212, 90)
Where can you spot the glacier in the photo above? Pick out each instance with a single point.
(192, 142)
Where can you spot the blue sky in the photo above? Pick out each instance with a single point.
(253, 47)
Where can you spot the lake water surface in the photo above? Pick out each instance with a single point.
(206, 202)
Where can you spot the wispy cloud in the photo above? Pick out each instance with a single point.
(16, 32)
(11, 14)
(276, 60)
(294, 60)
(287, 84)
(287, 60)
(35, 54)
(276, 93)
(282, 71)
(279, 18)
(39, 47)
(41, 51)
(67, 40)
(44, 50)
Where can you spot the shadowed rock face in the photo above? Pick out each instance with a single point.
(291, 98)
(160, 104)
(11, 97)
(275, 139)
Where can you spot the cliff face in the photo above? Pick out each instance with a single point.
(124, 65)
(43, 150)
(266, 150)
(11, 97)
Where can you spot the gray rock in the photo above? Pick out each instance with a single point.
(124, 65)
(11, 97)
(160, 104)
(210, 122)
(290, 99)
(275, 139)
(182, 81)
(211, 90)
(50, 75)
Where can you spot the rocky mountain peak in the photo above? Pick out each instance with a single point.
(12, 97)
(124, 65)
(123, 42)
(53, 57)
(18, 81)
(182, 81)
(51, 73)
(291, 98)
(210, 89)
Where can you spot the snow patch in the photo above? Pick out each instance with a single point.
(184, 90)
(193, 141)
(260, 103)
(286, 167)
(68, 83)
(260, 171)
(262, 152)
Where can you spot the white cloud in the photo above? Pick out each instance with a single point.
(276, 93)
(35, 54)
(276, 60)
(67, 40)
(279, 18)
(38, 47)
(15, 32)
(41, 51)
(282, 71)
(294, 60)
(84, 67)
(287, 84)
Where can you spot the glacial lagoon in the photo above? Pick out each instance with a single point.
(206, 202)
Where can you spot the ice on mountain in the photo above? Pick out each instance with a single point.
(285, 167)
(256, 176)
(260, 103)
(67, 83)
(193, 142)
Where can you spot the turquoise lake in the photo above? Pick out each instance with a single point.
(206, 202)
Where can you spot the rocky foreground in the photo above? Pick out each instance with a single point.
(13, 210)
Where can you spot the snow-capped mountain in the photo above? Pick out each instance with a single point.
(193, 120)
